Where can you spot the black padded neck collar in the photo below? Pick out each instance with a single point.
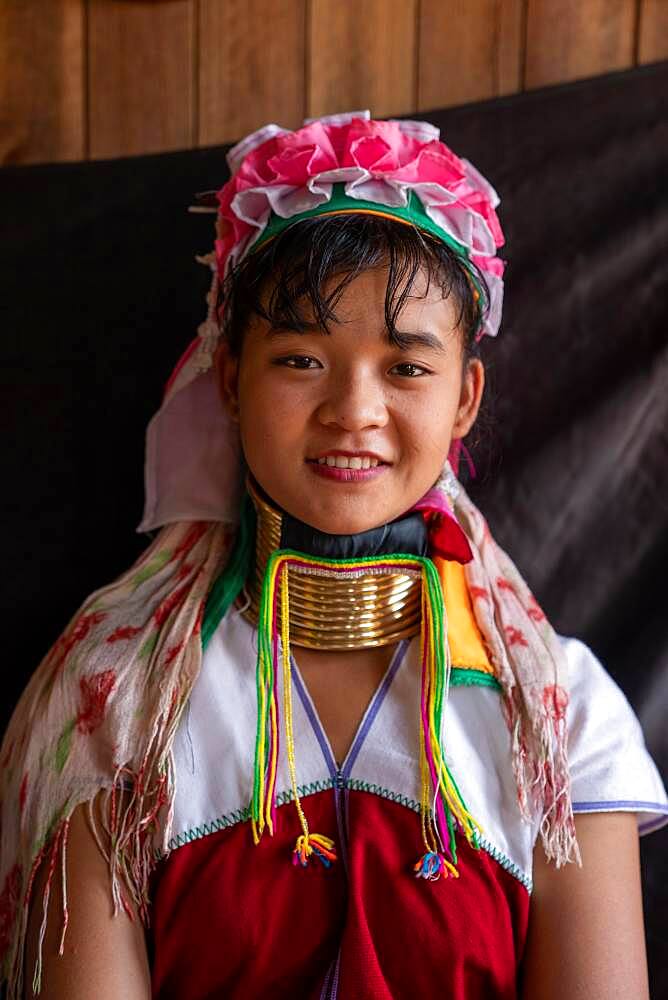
(406, 535)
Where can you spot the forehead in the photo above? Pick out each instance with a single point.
(362, 298)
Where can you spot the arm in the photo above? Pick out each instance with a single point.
(104, 956)
(586, 935)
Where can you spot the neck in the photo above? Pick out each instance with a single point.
(369, 604)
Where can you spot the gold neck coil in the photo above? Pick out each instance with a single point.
(373, 608)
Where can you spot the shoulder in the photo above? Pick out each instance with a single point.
(593, 694)
(611, 767)
(100, 710)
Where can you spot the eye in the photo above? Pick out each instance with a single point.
(410, 370)
(299, 361)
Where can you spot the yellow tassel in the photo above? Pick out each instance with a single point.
(314, 843)
(308, 843)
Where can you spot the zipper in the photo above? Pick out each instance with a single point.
(331, 989)
(339, 784)
(331, 986)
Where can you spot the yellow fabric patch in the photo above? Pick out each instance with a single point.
(467, 649)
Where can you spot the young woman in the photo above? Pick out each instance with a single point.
(320, 740)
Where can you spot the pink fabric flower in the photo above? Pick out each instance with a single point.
(446, 537)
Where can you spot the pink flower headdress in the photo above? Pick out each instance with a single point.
(399, 168)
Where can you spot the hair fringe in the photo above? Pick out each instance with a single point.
(307, 256)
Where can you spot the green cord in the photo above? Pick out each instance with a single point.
(230, 582)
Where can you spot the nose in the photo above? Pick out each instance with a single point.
(353, 402)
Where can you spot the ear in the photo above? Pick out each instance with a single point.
(227, 376)
(473, 385)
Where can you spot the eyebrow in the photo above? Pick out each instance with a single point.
(284, 331)
(404, 340)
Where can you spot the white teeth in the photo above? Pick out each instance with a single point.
(345, 462)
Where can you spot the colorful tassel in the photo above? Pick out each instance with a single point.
(442, 808)
(432, 865)
(314, 843)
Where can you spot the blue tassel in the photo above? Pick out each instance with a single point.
(432, 865)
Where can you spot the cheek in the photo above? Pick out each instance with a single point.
(428, 421)
(270, 415)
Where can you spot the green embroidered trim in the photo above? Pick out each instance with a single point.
(354, 784)
(239, 816)
(506, 863)
(466, 677)
(204, 829)
(283, 798)
(489, 848)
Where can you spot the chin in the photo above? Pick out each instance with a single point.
(346, 527)
(343, 514)
(340, 521)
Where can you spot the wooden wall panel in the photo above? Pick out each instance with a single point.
(653, 31)
(41, 81)
(568, 39)
(99, 78)
(141, 74)
(469, 50)
(362, 55)
(251, 67)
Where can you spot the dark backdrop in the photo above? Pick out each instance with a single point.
(101, 293)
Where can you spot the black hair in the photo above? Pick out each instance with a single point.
(298, 262)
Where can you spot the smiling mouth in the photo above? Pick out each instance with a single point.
(344, 468)
(348, 461)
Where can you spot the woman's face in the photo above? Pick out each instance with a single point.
(317, 412)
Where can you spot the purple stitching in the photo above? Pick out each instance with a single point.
(620, 804)
(374, 707)
(367, 721)
(309, 708)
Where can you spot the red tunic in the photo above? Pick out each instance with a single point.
(252, 925)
